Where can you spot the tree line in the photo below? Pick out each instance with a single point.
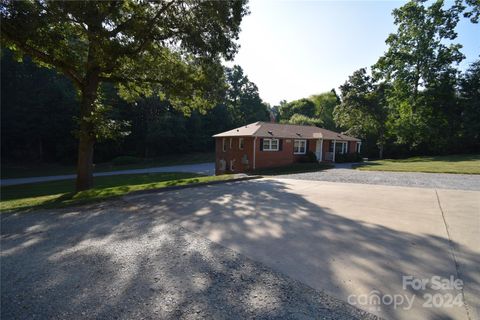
(39, 107)
(148, 80)
(414, 100)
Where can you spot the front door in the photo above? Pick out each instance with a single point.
(318, 149)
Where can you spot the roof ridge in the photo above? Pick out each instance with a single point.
(290, 124)
(258, 127)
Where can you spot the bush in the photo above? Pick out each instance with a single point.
(123, 160)
(348, 157)
(309, 157)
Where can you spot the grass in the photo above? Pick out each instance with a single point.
(37, 170)
(294, 168)
(466, 164)
(57, 194)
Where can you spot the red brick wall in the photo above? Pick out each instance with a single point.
(234, 153)
(263, 159)
(266, 159)
(352, 146)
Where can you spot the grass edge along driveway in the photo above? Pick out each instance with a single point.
(461, 164)
(14, 170)
(57, 194)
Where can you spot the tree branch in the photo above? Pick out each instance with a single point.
(123, 25)
(118, 79)
(45, 57)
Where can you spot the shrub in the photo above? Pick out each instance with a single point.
(348, 157)
(309, 157)
(123, 160)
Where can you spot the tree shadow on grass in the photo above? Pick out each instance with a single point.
(132, 260)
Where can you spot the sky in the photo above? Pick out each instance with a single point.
(293, 49)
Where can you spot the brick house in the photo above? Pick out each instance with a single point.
(262, 145)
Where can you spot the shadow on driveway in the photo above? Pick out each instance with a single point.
(125, 260)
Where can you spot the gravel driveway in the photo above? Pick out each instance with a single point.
(405, 179)
(114, 261)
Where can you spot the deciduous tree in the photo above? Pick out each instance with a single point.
(172, 48)
(363, 109)
(419, 66)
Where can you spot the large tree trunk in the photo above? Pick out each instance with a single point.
(380, 151)
(86, 133)
(381, 144)
(85, 164)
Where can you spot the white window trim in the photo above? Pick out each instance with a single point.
(304, 146)
(344, 149)
(240, 142)
(224, 145)
(270, 144)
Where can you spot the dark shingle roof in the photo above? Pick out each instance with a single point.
(278, 130)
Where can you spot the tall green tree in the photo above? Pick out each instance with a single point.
(325, 103)
(419, 65)
(37, 112)
(172, 48)
(470, 107)
(364, 108)
(243, 99)
(300, 119)
(303, 106)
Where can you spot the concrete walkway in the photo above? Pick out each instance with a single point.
(355, 241)
(200, 168)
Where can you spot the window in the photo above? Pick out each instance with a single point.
(299, 146)
(358, 146)
(224, 144)
(340, 147)
(240, 143)
(270, 144)
(231, 142)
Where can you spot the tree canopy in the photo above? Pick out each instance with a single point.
(364, 109)
(169, 48)
(314, 110)
(147, 80)
(416, 97)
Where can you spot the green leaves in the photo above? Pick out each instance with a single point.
(304, 120)
(419, 68)
(420, 50)
(174, 46)
(364, 109)
(169, 48)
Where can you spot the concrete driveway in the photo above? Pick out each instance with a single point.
(200, 168)
(354, 241)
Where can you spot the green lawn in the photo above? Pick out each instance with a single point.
(294, 168)
(32, 170)
(60, 193)
(467, 164)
